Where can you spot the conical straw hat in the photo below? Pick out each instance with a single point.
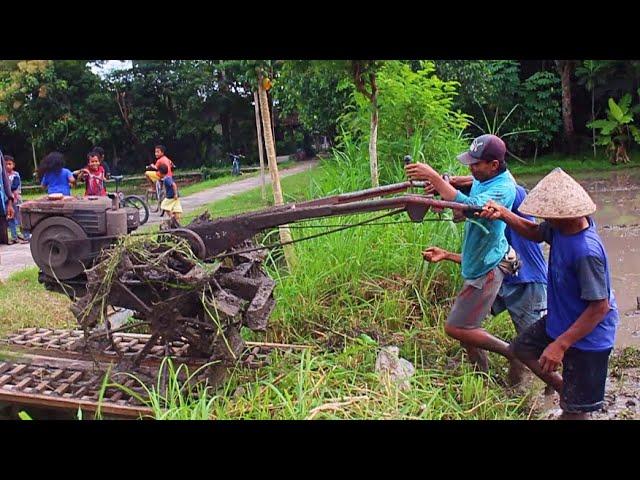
(558, 196)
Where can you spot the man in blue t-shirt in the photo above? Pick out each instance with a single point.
(484, 247)
(580, 326)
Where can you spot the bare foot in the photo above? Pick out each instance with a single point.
(479, 359)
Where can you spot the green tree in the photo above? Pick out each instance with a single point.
(314, 91)
(540, 100)
(415, 106)
(617, 129)
(590, 74)
(55, 104)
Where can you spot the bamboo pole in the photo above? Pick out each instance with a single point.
(285, 233)
(256, 103)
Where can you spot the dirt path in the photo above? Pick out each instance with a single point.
(17, 257)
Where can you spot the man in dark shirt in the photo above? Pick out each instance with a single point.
(582, 316)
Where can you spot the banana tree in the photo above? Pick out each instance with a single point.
(616, 131)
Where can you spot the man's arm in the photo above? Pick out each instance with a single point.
(461, 182)
(529, 230)
(437, 254)
(422, 171)
(583, 326)
(458, 182)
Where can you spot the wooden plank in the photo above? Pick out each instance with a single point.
(23, 383)
(18, 369)
(42, 386)
(75, 377)
(81, 391)
(62, 389)
(43, 400)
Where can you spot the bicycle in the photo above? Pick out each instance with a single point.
(155, 197)
(131, 201)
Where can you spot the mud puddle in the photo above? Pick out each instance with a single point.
(621, 399)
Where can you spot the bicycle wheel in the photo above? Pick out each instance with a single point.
(152, 202)
(138, 203)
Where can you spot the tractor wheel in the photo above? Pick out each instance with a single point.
(52, 252)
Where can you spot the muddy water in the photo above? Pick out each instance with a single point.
(617, 195)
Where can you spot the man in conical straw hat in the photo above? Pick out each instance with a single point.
(582, 316)
(484, 248)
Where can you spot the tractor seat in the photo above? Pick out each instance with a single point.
(117, 178)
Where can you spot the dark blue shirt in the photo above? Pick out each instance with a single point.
(168, 185)
(533, 268)
(58, 182)
(579, 273)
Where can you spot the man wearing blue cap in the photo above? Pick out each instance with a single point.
(486, 256)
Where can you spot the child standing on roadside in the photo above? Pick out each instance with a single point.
(53, 176)
(171, 203)
(16, 190)
(94, 176)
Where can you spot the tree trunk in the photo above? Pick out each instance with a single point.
(373, 140)
(273, 116)
(256, 102)
(225, 123)
(565, 67)
(115, 159)
(285, 233)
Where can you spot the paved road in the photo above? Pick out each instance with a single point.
(17, 257)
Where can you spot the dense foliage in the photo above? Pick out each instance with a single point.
(203, 109)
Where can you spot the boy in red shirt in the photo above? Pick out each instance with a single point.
(161, 159)
(94, 176)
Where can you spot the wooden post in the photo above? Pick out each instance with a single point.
(35, 161)
(285, 233)
(256, 102)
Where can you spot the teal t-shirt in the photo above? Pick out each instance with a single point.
(482, 251)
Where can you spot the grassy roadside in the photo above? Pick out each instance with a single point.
(294, 187)
(226, 179)
(25, 303)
